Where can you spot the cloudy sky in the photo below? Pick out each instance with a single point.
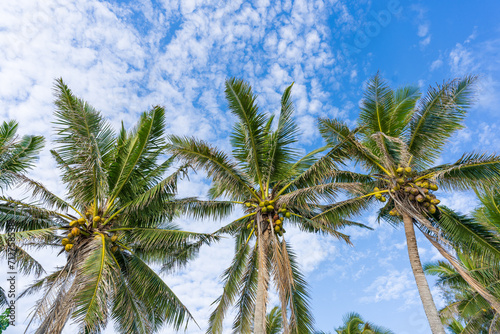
(125, 56)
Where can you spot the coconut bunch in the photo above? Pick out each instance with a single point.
(273, 217)
(406, 186)
(80, 229)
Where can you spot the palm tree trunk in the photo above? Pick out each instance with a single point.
(465, 275)
(262, 279)
(418, 272)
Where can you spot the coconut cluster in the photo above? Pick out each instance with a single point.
(414, 189)
(82, 228)
(278, 216)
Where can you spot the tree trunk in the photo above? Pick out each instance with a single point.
(465, 275)
(262, 279)
(418, 272)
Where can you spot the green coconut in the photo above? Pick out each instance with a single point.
(432, 209)
(277, 228)
(433, 187)
(288, 215)
(266, 203)
(400, 170)
(400, 180)
(114, 248)
(114, 238)
(270, 207)
(264, 210)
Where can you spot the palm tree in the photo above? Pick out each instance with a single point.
(274, 321)
(399, 137)
(116, 221)
(467, 312)
(354, 324)
(17, 155)
(275, 188)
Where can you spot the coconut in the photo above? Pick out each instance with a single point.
(70, 235)
(420, 198)
(276, 217)
(435, 201)
(400, 170)
(411, 198)
(114, 238)
(393, 212)
(114, 248)
(65, 241)
(400, 180)
(414, 191)
(425, 184)
(270, 207)
(81, 221)
(266, 203)
(378, 196)
(408, 170)
(433, 187)
(75, 231)
(408, 189)
(278, 222)
(73, 223)
(248, 205)
(427, 197)
(418, 184)
(396, 187)
(277, 228)
(264, 210)
(261, 204)
(382, 199)
(68, 247)
(425, 190)
(288, 215)
(249, 226)
(97, 219)
(432, 209)
(426, 204)
(376, 189)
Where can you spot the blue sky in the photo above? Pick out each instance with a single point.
(124, 56)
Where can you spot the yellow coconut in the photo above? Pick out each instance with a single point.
(114, 248)
(261, 204)
(278, 222)
(408, 170)
(81, 221)
(249, 226)
(65, 241)
(400, 180)
(114, 238)
(97, 219)
(432, 209)
(288, 215)
(68, 247)
(382, 199)
(420, 198)
(270, 207)
(73, 223)
(277, 228)
(264, 210)
(376, 189)
(75, 231)
(70, 235)
(433, 187)
(435, 201)
(400, 170)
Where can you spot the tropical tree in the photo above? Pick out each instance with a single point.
(467, 312)
(116, 221)
(355, 324)
(275, 188)
(274, 321)
(399, 137)
(4, 320)
(17, 154)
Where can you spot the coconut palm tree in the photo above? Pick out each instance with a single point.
(115, 222)
(17, 155)
(275, 188)
(4, 320)
(355, 324)
(274, 321)
(399, 137)
(467, 312)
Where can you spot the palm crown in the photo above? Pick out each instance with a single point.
(400, 134)
(116, 221)
(276, 188)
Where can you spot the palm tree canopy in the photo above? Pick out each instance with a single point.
(17, 155)
(355, 324)
(116, 221)
(275, 187)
